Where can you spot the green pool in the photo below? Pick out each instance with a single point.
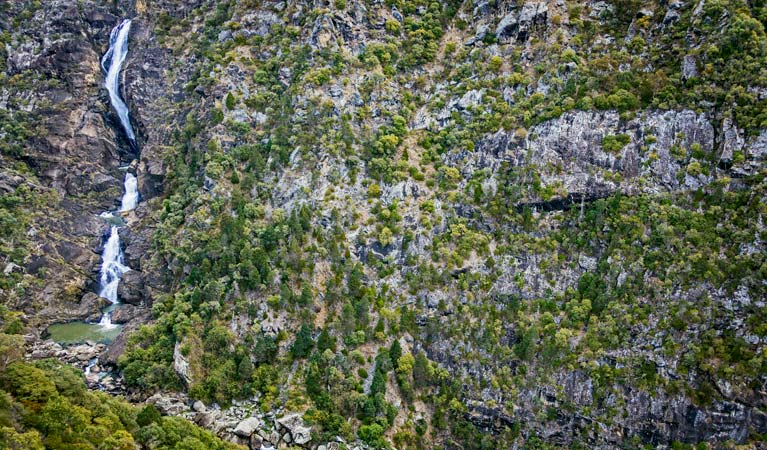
(80, 332)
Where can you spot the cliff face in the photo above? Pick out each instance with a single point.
(458, 224)
(60, 158)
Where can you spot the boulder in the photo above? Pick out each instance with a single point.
(131, 288)
(124, 314)
(246, 427)
(518, 24)
(171, 405)
(90, 306)
(298, 432)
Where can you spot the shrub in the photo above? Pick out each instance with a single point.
(374, 190)
(615, 143)
(230, 101)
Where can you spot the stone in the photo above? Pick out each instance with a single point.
(519, 24)
(199, 406)
(299, 433)
(131, 288)
(689, 67)
(124, 313)
(181, 365)
(732, 139)
(246, 427)
(167, 404)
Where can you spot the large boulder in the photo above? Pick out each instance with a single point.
(296, 429)
(169, 404)
(518, 24)
(131, 288)
(246, 427)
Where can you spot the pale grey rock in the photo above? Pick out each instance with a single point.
(169, 404)
(199, 406)
(519, 23)
(246, 427)
(470, 99)
(600, 9)
(298, 432)
(689, 67)
(732, 139)
(181, 365)
(482, 30)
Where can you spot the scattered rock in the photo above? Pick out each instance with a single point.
(247, 426)
(298, 432)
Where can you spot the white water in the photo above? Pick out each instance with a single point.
(112, 64)
(112, 268)
(130, 197)
(112, 259)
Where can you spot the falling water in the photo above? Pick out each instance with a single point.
(112, 268)
(130, 198)
(112, 64)
(112, 259)
(113, 264)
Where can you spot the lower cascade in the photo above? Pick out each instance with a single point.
(112, 268)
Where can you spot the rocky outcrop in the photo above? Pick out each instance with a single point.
(574, 157)
(181, 365)
(295, 431)
(519, 23)
(131, 289)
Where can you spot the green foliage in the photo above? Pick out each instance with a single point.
(49, 407)
(615, 143)
(303, 344)
(230, 101)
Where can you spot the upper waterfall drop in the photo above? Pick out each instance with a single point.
(112, 64)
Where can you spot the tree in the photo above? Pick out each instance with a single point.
(28, 385)
(373, 435)
(379, 383)
(421, 370)
(405, 364)
(230, 101)
(305, 299)
(303, 344)
(395, 351)
(245, 369)
(11, 349)
(355, 280)
(325, 341)
(148, 414)
(12, 440)
(120, 440)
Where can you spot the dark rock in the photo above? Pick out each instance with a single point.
(131, 288)
(124, 314)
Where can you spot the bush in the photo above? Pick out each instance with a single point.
(615, 143)
(374, 190)
(230, 101)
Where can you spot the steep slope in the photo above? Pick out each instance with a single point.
(474, 225)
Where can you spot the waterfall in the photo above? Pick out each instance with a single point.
(112, 64)
(112, 259)
(130, 197)
(112, 266)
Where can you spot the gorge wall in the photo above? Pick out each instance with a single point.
(410, 224)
